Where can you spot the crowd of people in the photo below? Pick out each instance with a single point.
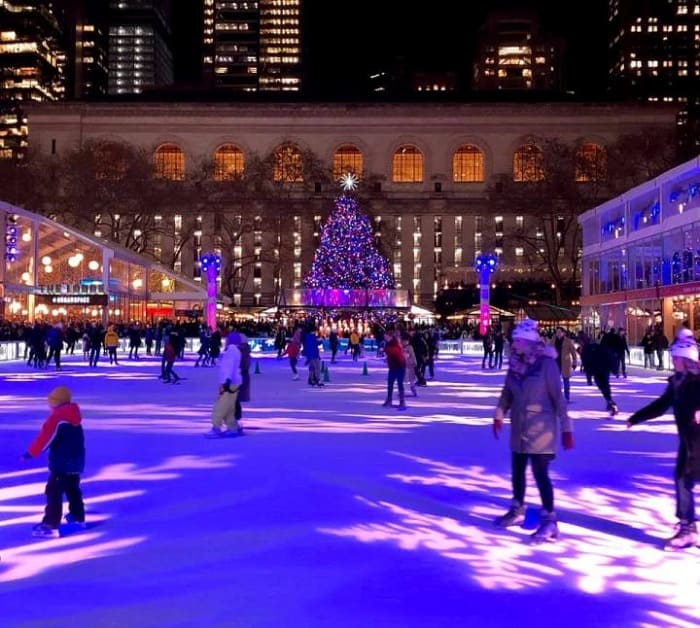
(535, 393)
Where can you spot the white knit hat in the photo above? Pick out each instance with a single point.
(526, 330)
(685, 348)
(684, 332)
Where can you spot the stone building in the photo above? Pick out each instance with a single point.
(426, 171)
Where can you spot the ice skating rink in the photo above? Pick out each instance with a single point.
(332, 510)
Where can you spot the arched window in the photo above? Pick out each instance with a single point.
(288, 165)
(228, 162)
(527, 164)
(407, 165)
(169, 162)
(591, 163)
(110, 161)
(346, 159)
(468, 164)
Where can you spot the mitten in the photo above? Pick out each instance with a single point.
(567, 440)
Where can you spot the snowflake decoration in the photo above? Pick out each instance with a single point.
(349, 181)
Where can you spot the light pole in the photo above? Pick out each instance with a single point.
(485, 264)
(211, 265)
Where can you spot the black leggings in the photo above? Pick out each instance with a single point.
(540, 469)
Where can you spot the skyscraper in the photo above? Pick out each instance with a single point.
(252, 46)
(655, 50)
(512, 54)
(140, 45)
(32, 63)
(86, 41)
(655, 56)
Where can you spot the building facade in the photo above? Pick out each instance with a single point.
(654, 56)
(32, 65)
(425, 169)
(252, 46)
(140, 45)
(512, 54)
(641, 257)
(87, 40)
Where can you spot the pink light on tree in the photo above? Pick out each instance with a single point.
(211, 265)
(485, 264)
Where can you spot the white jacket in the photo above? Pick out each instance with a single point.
(230, 366)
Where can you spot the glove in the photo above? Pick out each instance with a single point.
(567, 440)
(497, 425)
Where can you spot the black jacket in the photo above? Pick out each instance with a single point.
(683, 395)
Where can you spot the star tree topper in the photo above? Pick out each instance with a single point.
(349, 181)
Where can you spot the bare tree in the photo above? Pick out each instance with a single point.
(565, 181)
(550, 200)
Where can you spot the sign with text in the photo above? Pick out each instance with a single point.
(73, 299)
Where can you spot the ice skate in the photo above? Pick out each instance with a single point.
(686, 536)
(514, 517)
(612, 408)
(76, 523)
(214, 432)
(548, 530)
(44, 530)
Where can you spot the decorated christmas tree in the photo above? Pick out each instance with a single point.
(347, 256)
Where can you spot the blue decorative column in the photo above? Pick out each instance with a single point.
(211, 265)
(485, 264)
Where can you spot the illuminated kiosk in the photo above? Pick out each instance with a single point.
(485, 264)
(346, 299)
(50, 271)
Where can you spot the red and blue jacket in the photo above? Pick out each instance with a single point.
(62, 434)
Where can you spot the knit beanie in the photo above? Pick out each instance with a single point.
(59, 396)
(526, 330)
(685, 348)
(685, 333)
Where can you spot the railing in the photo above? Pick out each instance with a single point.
(15, 349)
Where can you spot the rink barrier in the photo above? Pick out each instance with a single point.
(14, 349)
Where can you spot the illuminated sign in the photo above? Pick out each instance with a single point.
(73, 299)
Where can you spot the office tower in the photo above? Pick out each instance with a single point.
(252, 46)
(32, 61)
(140, 45)
(512, 54)
(85, 25)
(654, 48)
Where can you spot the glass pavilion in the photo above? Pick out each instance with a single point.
(53, 272)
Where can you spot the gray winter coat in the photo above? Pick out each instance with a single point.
(537, 407)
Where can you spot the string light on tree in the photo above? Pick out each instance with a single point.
(347, 256)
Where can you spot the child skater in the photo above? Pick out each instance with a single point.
(62, 434)
(682, 394)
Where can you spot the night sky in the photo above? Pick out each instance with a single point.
(344, 42)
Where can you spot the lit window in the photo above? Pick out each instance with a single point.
(347, 159)
(590, 163)
(407, 165)
(169, 162)
(228, 163)
(468, 164)
(527, 164)
(288, 165)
